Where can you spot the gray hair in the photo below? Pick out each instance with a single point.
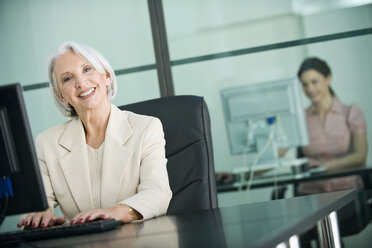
(94, 58)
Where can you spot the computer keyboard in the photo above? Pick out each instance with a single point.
(65, 230)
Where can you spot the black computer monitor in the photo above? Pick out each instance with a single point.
(21, 186)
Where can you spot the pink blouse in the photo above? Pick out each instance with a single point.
(332, 139)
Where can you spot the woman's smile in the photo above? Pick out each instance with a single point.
(87, 93)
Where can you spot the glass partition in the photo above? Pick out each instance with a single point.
(209, 77)
(219, 44)
(197, 28)
(32, 30)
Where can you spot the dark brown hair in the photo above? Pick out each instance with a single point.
(317, 64)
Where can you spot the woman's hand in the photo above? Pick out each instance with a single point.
(118, 212)
(41, 219)
(313, 163)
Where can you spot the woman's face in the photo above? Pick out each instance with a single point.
(315, 85)
(79, 83)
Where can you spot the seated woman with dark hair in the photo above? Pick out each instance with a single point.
(337, 132)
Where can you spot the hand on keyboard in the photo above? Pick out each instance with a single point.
(13, 238)
(119, 212)
(91, 215)
(41, 219)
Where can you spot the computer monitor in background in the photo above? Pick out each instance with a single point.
(254, 111)
(21, 186)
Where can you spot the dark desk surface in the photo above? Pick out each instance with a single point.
(264, 224)
(290, 178)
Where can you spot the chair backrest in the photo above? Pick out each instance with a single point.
(189, 151)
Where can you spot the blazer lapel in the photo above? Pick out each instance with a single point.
(75, 165)
(115, 156)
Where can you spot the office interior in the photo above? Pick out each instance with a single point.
(212, 45)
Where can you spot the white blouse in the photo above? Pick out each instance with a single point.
(95, 173)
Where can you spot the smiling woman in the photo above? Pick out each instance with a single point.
(83, 59)
(104, 162)
(337, 132)
(84, 89)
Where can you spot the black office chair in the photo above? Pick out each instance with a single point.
(188, 149)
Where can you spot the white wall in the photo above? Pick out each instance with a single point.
(196, 27)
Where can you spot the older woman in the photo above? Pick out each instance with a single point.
(337, 132)
(104, 162)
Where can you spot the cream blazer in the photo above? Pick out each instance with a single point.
(133, 171)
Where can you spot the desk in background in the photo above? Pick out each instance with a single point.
(264, 180)
(264, 224)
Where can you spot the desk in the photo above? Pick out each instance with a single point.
(290, 178)
(264, 224)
